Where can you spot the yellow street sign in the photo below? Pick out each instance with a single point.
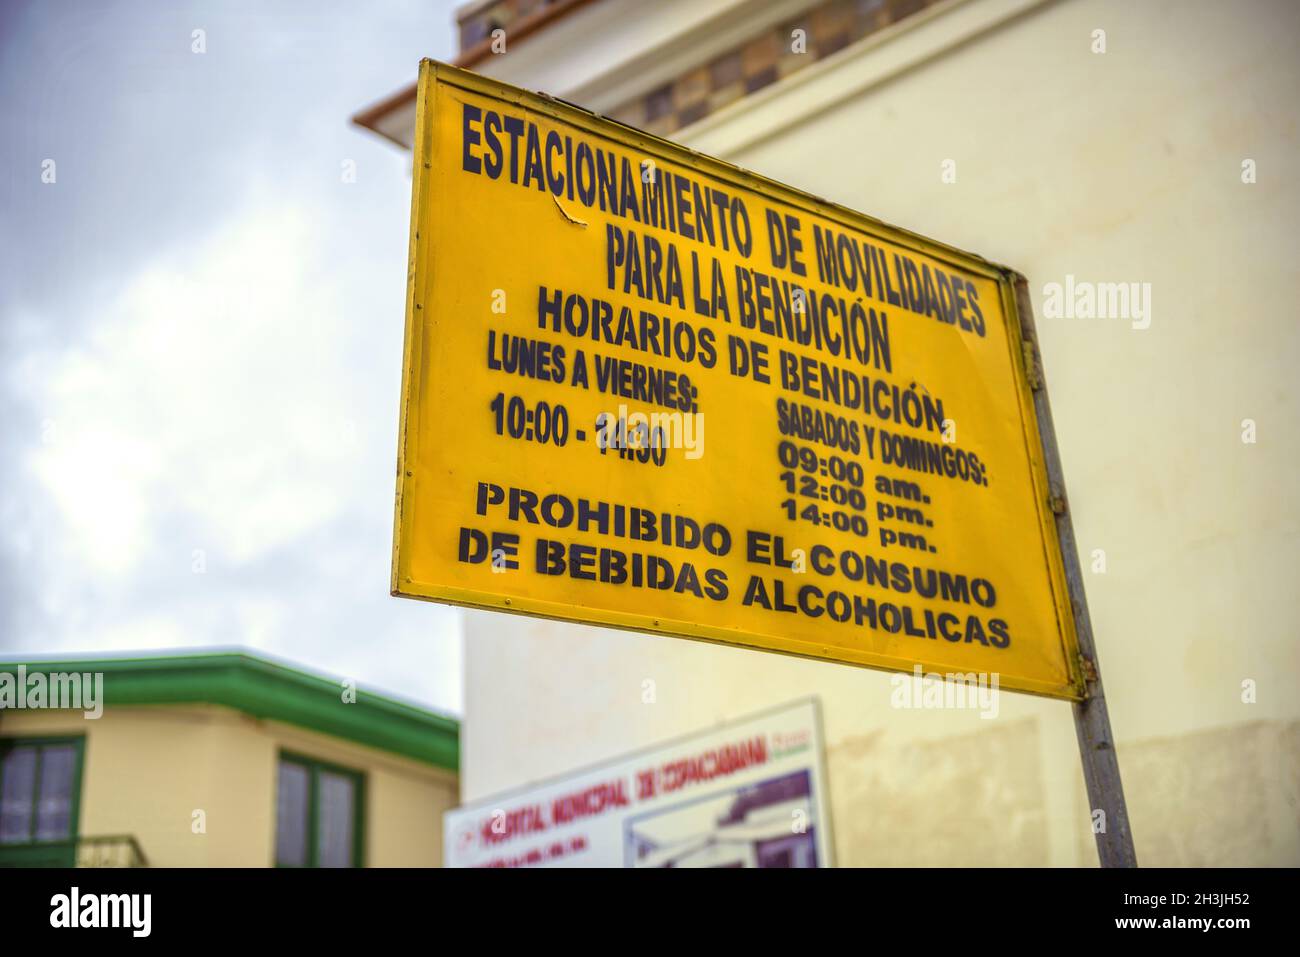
(646, 389)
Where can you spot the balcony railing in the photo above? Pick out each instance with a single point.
(117, 850)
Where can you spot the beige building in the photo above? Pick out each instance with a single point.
(1077, 141)
(216, 760)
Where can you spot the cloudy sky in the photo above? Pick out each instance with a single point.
(200, 334)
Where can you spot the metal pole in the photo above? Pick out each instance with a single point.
(1091, 720)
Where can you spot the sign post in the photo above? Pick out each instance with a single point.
(1091, 719)
(878, 483)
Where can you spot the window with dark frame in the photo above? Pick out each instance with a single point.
(40, 782)
(319, 810)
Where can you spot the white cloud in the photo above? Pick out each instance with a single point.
(232, 398)
(200, 348)
(207, 388)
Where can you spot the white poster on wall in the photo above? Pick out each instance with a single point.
(749, 793)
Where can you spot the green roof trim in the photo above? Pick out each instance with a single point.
(266, 689)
